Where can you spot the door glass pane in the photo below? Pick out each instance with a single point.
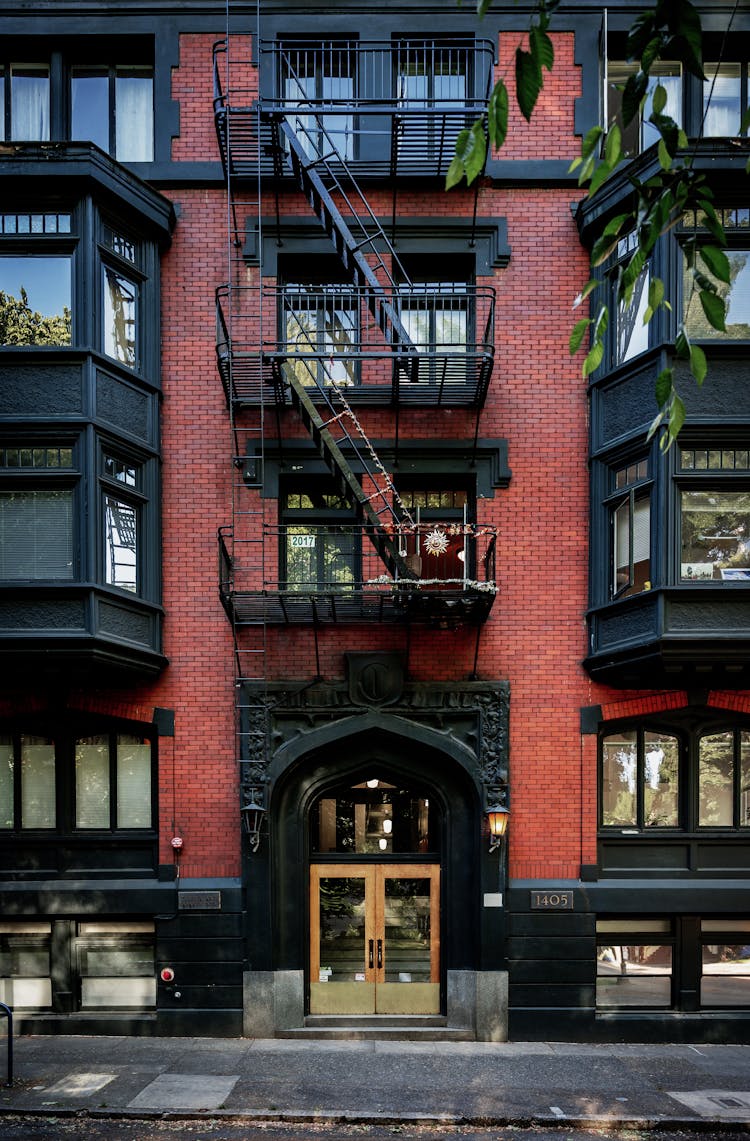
(661, 779)
(638, 975)
(716, 780)
(6, 782)
(342, 929)
(619, 764)
(407, 930)
(92, 782)
(726, 975)
(37, 782)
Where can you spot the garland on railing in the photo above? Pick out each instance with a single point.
(465, 583)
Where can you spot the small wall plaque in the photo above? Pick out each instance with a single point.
(552, 900)
(199, 900)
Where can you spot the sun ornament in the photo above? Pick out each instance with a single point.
(436, 542)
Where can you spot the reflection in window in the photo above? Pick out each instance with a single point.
(113, 107)
(373, 817)
(631, 531)
(37, 782)
(434, 75)
(634, 974)
(116, 965)
(25, 982)
(35, 300)
(714, 535)
(640, 780)
(631, 334)
(121, 543)
(320, 542)
(120, 297)
(724, 779)
(435, 316)
(735, 294)
(641, 134)
(321, 333)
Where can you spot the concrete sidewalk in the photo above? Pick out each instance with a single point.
(458, 1082)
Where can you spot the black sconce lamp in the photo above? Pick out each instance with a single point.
(253, 814)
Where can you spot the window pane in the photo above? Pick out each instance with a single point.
(637, 136)
(35, 300)
(721, 99)
(634, 975)
(133, 782)
(715, 535)
(6, 782)
(638, 544)
(92, 782)
(119, 317)
(661, 768)
(29, 99)
(121, 543)
(726, 975)
(319, 557)
(89, 116)
(619, 765)
(36, 535)
(372, 818)
(716, 781)
(37, 783)
(134, 114)
(736, 296)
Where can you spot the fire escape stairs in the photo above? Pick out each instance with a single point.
(320, 176)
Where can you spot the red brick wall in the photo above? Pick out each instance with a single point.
(550, 134)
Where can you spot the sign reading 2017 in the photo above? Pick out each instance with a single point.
(552, 901)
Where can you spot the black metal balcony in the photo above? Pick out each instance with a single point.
(327, 576)
(390, 108)
(329, 338)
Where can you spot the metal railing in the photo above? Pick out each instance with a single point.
(332, 329)
(332, 573)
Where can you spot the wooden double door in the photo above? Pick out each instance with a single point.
(375, 938)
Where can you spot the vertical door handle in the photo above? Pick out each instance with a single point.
(380, 953)
(370, 962)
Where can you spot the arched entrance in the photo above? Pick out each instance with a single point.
(374, 887)
(375, 900)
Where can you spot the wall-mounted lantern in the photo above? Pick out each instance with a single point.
(253, 814)
(498, 815)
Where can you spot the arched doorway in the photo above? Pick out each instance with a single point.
(417, 892)
(375, 900)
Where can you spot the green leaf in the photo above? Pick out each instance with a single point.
(632, 96)
(688, 39)
(676, 418)
(698, 364)
(745, 121)
(591, 141)
(594, 358)
(713, 307)
(641, 31)
(665, 158)
(663, 386)
(541, 47)
(659, 98)
(716, 260)
(577, 334)
(682, 344)
(482, 6)
(599, 177)
(656, 423)
(528, 82)
(613, 146)
(587, 290)
(477, 152)
(602, 248)
(497, 114)
(655, 292)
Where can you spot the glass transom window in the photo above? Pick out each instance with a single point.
(373, 817)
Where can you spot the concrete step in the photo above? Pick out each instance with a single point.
(404, 1028)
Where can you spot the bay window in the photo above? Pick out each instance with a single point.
(630, 514)
(735, 294)
(35, 294)
(122, 504)
(37, 498)
(71, 782)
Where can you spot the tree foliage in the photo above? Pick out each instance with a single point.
(669, 31)
(22, 325)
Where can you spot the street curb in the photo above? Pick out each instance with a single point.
(602, 1122)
